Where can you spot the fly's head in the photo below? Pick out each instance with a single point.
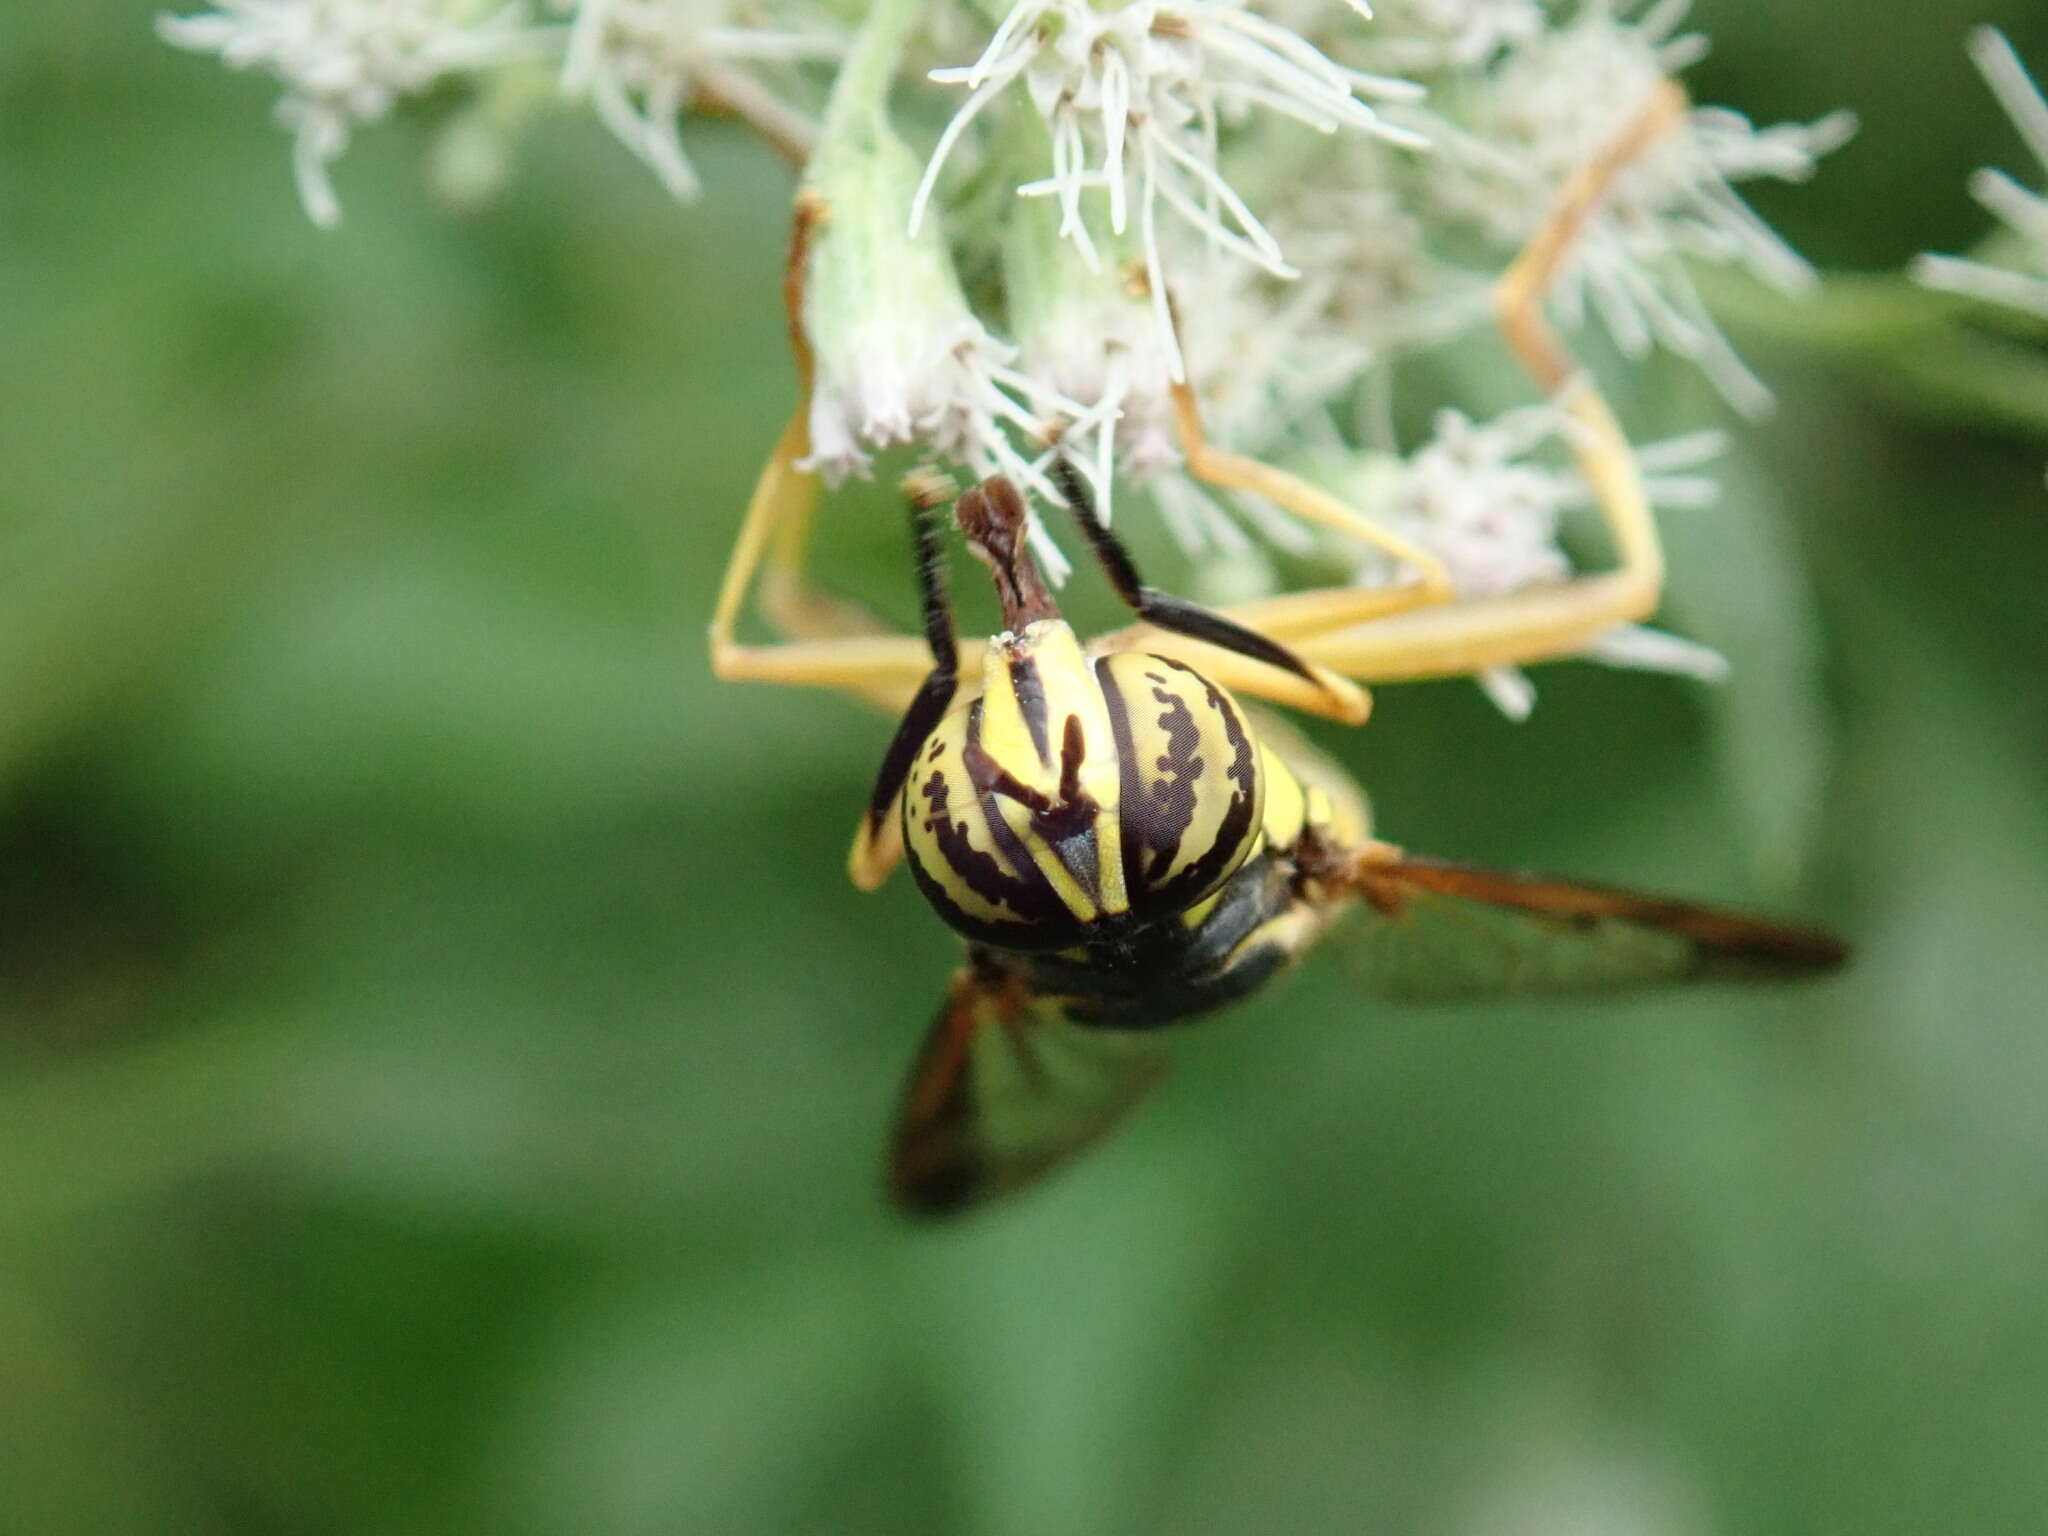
(1072, 796)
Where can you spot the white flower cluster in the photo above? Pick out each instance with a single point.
(1473, 496)
(1549, 101)
(348, 62)
(645, 62)
(641, 63)
(1133, 97)
(1053, 227)
(2017, 275)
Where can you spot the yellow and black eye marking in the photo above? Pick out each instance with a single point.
(1123, 849)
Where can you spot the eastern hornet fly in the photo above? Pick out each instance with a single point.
(1122, 844)
(1125, 847)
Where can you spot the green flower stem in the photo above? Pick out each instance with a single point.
(859, 109)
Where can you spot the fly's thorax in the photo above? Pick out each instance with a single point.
(1072, 798)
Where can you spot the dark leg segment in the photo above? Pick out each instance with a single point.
(1159, 608)
(924, 495)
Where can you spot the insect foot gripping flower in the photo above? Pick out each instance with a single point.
(1474, 497)
(2015, 272)
(1551, 103)
(347, 62)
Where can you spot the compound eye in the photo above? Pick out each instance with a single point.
(974, 867)
(1192, 785)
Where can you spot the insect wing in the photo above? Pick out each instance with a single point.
(1007, 1088)
(1437, 931)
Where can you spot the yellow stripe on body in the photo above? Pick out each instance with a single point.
(1291, 932)
(1038, 694)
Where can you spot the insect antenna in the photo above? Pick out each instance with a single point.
(1162, 609)
(924, 492)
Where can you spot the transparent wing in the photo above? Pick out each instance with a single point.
(1436, 931)
(1006, 1089)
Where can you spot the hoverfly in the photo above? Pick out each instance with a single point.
(1125, 847)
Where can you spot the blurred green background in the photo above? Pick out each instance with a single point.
(442, 1067)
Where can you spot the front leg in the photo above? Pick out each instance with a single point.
(880, 668)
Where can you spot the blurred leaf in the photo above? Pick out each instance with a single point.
(73, 1461)
(745, 1406)
(1946, 356)
(1051, 1349)
(1738, 585)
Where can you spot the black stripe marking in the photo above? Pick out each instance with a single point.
(1235, 829)
(1169, 805)
(1073, 752)
(1127, 773)
(1030, 897)
(990, 777)
(1056, 818)
(1071, 830)
(1067, 827)
(918, 725)
(1047, 909)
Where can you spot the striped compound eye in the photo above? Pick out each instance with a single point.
(1076, 796)
(1190, 787)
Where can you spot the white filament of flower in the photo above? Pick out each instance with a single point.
(642, 63)
(1454, 34)
(1473, 498)
(1552, 104)
(347, 62)
(1142, 86)
(948, 386)
(2023, 213)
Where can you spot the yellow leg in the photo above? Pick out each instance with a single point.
(1324, 693)
(828, 642)
(1295, 615)
(836, 644)
(1419, 629)
(1537, 623)
(1234, 471)
(1391, 634)
(884, 669)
